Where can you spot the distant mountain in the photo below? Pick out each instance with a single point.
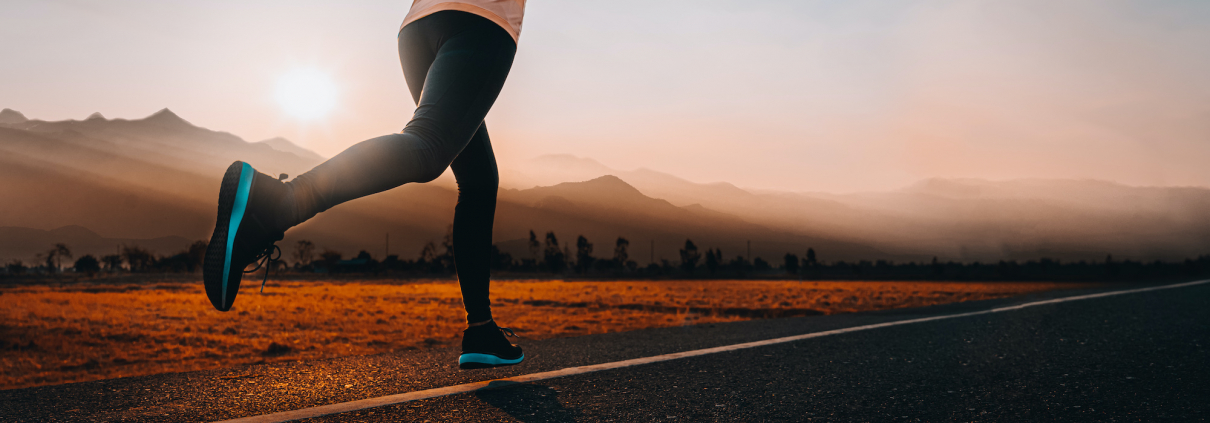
(10, 116)
(93, 160)
(681, 191)
(607, 193)
(167, 118)
(158, 177)
(1068, 219)
(127, 180)
(284, 145)
(167, 139)
(39, 194)
(552, 169)
(18, 242)
(955, 219)
(605, 208)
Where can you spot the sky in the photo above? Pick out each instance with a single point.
(802, 95)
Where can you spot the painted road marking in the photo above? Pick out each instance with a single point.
(345, 407)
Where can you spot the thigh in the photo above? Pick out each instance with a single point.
(417, 49)
(467, 71)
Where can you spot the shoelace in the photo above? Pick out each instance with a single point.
(508, 332)
(264, 258)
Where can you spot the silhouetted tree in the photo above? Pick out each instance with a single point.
(584, 256)
(303, 252)
(712, 260)
(567, 255)
(15, 267)
(554, 258)
(534, 246)
(48, 262)
(427, 254)
(620, 253)
(330, 258)
(137, 258)
(500, 260)
(392, 262)
(446, 258)
(113, 262)
(740, 264)
(791, 264)
(760, 265)
(689, 257)
(653, 269)
(54, 256)
(603, 265)
(175, 263)
(810, 260)
(368, 263)
(1111, 267)
(666, 267)
(87, 264)
(528, 265)
(197, 254)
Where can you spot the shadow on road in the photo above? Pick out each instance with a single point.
(526, 402)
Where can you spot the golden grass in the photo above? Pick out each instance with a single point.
(52, 335)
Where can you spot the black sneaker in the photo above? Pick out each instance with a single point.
(247, 228)
(485, 346)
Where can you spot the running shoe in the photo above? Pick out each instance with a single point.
(247, 228)
(486, 346)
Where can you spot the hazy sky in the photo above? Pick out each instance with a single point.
(801, 95)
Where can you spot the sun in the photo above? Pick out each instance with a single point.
(306, 93)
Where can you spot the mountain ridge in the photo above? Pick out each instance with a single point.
(10, 116)
(285, 146)
(121, 177)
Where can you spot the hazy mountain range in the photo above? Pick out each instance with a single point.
(98, 183)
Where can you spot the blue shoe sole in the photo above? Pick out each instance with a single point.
(221, 280)
(483, 361)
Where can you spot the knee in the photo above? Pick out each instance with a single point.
(432, 159)
(432, 154)
(484, 189)
(431, 171)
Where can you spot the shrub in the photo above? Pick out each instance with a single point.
(87, 264)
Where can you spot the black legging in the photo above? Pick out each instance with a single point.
(455, 64)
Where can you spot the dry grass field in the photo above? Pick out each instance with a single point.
(80, 332)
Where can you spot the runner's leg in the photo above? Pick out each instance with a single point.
(478, 182)
(470, 60)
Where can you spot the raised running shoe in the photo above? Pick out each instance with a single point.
(247, 228)
(486, 346)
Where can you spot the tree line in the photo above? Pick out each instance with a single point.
(547, 256)
(128, 258)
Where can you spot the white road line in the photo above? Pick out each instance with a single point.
(345, 407)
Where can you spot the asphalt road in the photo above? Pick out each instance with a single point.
(1131, 357)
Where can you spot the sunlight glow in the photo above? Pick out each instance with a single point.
(306, 93)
